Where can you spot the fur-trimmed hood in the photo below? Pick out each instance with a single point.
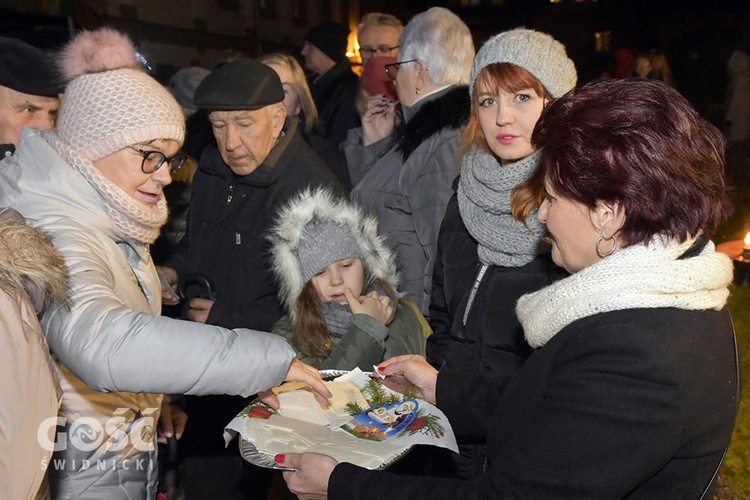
(31, 265)
(322, 204)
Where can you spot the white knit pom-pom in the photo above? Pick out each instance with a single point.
(101, 50)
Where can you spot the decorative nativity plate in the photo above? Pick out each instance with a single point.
(378, 430)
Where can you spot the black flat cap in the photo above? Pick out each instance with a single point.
(25, 68)
(240, 84)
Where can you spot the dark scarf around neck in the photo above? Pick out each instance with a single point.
(450, 110)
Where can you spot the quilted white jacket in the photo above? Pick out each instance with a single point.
(115, 355)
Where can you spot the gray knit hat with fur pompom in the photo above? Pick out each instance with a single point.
(536, 52)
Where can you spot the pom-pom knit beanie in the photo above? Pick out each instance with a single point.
(538, 53)
(110, 102)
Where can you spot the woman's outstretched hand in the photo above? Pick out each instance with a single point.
(410, 369)
(300, 372)
(310, 480)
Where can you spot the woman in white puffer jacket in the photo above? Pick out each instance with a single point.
(95, 184)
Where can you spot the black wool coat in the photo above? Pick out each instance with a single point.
(335, 96)
(637, 403)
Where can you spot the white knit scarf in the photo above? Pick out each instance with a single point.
(129, 216)
(639, 276)
(484, 202)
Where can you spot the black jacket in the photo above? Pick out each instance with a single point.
(335, 96)
(637, 403)
(228, 225)
(492, 340)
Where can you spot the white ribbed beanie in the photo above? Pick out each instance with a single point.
(536, 52)
(110, 102)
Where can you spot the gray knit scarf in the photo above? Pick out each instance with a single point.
(484, 202)
(128, 215)
(338, 317)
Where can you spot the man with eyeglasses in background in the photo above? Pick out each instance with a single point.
(377, 35)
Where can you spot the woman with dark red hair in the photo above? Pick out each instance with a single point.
(632, 389)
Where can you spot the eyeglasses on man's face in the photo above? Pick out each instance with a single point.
(153, 160)
(380, 50)
(392, 69)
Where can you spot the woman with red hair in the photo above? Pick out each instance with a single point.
(486, 258)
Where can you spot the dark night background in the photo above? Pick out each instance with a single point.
(696, 36)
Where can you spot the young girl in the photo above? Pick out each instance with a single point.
(338, 283)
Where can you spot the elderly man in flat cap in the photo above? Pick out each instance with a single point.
(260, 160)
(29, 91)
(335, 86)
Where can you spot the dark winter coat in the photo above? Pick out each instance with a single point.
(636, 403)
(335, 96)
(228, 223)
(332, 155)
(487, 339)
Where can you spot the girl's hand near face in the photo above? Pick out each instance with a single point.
(372, 304)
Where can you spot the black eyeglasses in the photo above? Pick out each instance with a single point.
(381, 50)
(153, 160)
(392, 69)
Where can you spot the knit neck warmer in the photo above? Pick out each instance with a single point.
(639, 276)
(484, 202)
(129, 216)
(338, 317)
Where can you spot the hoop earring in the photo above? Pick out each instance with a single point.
(611, 250)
